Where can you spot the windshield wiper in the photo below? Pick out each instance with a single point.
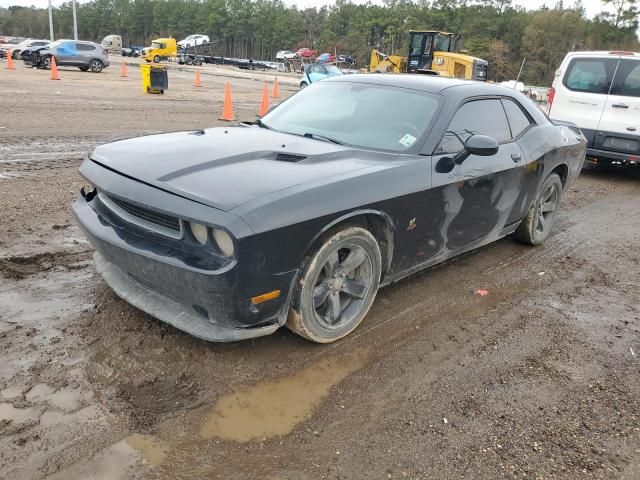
(261, 124)
(322, 137)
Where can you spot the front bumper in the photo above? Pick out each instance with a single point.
(162, 277)
(169, 311)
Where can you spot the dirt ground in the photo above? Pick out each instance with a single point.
(538, 379)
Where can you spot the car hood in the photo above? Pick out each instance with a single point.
(226, 167)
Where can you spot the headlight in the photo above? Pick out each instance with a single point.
(200, 232)
(224, 242)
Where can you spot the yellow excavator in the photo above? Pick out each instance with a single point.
(432, 53)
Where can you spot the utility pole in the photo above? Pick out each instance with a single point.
(75, 22)
(50, 22)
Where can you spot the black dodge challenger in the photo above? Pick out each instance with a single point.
(297, 219)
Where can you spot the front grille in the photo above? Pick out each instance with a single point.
(146, 215)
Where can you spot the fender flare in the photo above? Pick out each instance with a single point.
(388, 221)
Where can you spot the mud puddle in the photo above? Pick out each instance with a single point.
(275, 408)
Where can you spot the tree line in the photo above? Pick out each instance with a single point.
(496, 30)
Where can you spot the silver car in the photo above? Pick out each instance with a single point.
(73, 53)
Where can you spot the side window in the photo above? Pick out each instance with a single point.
(590, 75)
(518, 120)
(478, 117)
(627, 81)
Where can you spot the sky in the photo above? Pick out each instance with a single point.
(592, 6)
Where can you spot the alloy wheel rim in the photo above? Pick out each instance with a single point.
(342, 286)
(546, 209)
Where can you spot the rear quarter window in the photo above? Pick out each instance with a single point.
(518, 120)
(590, 75)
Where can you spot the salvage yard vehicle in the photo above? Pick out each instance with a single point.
(16, 50)
(160, 49)
(112, 44)
(600, 92)
(316, 71)
(298, 218)
(68, 53)
(193, 40)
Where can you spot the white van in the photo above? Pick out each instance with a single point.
(600, 92)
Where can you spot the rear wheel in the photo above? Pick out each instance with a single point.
(96, 66)
(337, 286)
(303, 85)
(84, 69)
(537, 225)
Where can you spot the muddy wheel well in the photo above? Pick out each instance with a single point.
(377, 225)
(562, 171)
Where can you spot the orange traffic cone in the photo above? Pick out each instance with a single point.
(227, 107)
(196, 80)
(264, 106)
(123, 70)
(275, 93)
(9, 61)
(54, 69)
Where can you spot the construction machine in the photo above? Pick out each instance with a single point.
(432, 53)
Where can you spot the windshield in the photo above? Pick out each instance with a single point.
(357, 114)
(56, 43)
(333, 70)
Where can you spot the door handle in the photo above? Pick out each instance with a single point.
(516, 157)
(620, 105)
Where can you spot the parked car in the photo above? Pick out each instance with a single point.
(69, 53)
(344, 58)
(325, 58)
(315, 72)
(16, 50)
(600, 92)
(285, 55)
(132, 51)
(193, 40)
(306, 53)
(112, 44)
(230, 233)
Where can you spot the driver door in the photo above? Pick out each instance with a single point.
(476, 197)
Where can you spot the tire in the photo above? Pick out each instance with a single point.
(303, 85)
(46, 63)
(336, 287)
(156, 59)
(16, 55)
(84, 69)
(96, 66)
(537, 225)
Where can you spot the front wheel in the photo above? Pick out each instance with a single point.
(303, 85)
(16, 55)
(156, 59)
(46, 63)
(537, 225)
(337, 286)
(96, 66)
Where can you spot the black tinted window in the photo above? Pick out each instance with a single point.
(592, 75)
(479, 117)
(84, 47)
(627, 80)
(518, 120)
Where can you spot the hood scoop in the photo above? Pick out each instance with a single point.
(289, 157)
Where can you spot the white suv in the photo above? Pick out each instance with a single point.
(600, 92)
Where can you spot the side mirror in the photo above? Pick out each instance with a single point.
(479, 145)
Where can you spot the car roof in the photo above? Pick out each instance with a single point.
(426, 83)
